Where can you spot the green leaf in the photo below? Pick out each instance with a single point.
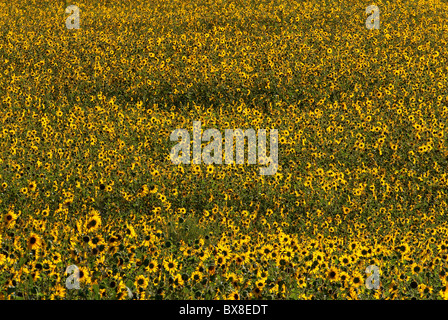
(96, 292)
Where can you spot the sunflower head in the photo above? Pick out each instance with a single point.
(257, 292)
(10, 218)
(332, 274)
(93, 221)
(33, 242)
(356, 280)
(234, 296)
(141, 282)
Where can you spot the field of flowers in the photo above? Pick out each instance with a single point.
(86, 177)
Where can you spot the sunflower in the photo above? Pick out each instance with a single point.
(10, 218)
(239, 259)
(59, 291)
(84, 276)
(231, 277)
(353, 294)
(196, 276)
(141, 282)
(318, 256)
(363, 251)
(256, 292)
(34, 242)
(210, 169)
(35, 275)
(424, 290)
(403, 248)
(93, 222)
(211, 270)
(260, 283)
(344, 277)
(220, 259)
(32, 186)
(344, 260)
(123, 292)
(265, 251)
(178, 281)
(353, 245)
(301, 282)
(346, 210)
(444, 292)
(356, 280)
(170, 265)
(333, 274)
(415, 268)
(45, 212)
(282, 260)
(233, 296)
(203, 255)
(152, 267)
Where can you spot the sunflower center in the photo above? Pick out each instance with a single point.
(92, 224)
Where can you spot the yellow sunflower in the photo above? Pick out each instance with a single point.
(152, 266)
(356, 280)
(84, 275)
(10, 218)
(141, 282)
(333, 274)
(196, 276)
(170, 265)
(34, 242)
(233, 295)
(93, 221)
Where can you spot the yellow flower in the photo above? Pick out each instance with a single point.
(234, 295)
(141, 282)
(152, 266)
(196, 276)
(93, 221)
(356, 280)
(32, 186)
(84, 276)
(415, 268)
(34, 242)
(333, 274)
(171, 265)
(10, 218)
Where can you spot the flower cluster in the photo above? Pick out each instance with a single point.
(86, 177)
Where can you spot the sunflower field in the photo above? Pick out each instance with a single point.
(93, 208)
